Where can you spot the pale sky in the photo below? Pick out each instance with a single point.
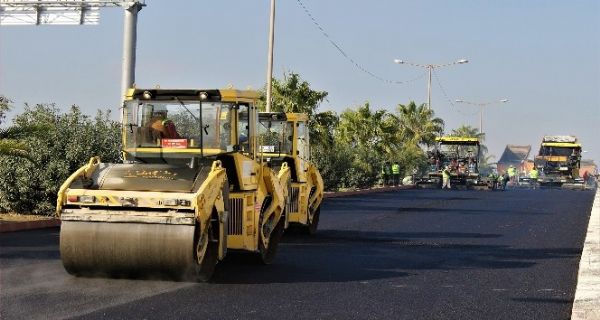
(544, 56)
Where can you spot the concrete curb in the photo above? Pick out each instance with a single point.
(8, 226)
(365, 191)
(586, 305)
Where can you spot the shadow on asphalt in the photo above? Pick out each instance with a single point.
(544, 300)
(343, 256)
(468, 211)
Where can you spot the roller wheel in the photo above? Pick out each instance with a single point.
(314, 222)
(267, 255)
(206, 252)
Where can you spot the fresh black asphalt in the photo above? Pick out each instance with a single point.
(412, 254)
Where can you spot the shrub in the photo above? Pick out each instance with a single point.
(31, 186)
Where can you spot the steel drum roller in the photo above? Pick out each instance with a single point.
(126, 248)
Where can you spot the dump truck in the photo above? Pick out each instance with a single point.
(286, 148)
(190, 188)
(461, 156)
(558, 162)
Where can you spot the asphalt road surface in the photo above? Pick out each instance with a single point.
(414, 254)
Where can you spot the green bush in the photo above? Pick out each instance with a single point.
(31, 186)
(334, 162)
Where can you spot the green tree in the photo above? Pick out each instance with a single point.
(373, 138)
(11, 138)
(292, 94)
(419, 124)
(418, 128)
(69, 141)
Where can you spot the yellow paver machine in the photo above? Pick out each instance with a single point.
(285, 144)
(558, 161)
(192, 186)
(460, 155)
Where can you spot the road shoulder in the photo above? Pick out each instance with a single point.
(587, 296)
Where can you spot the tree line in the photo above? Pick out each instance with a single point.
(43, 146)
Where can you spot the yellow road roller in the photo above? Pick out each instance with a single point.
(286, 146)
(191, 186)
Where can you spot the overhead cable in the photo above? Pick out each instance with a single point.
(346, 56)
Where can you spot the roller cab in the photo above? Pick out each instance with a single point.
(169, 207)
(286, 148)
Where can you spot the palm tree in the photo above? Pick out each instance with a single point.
(375, 130)
(418, 124)
(471, 132)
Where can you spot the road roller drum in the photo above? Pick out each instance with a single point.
(126, 249)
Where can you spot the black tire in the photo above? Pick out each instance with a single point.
(267, 255)
(202, 271)
(314, 223)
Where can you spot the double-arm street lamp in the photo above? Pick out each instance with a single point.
(430, 68)
(481, 105)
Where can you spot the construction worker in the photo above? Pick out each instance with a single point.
(533, 176)
(161, 127)
(396, 173)
(492, 180)
(512, 173)
(385, 173)
(446, 178)
(503, 180)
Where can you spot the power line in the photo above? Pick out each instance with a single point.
(437, 79)
(346, 56)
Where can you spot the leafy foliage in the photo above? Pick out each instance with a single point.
(292, 94)
(69, 141)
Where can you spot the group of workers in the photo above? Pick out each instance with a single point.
(459, 164)
(500, 181)
(390, 174)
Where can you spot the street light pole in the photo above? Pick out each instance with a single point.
(270, 57)
(430, 68)
(129, 46)
(481, 106)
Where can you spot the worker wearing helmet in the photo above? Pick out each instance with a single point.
(512, 173)
(446, 178)
(396, 173)
(533, 176)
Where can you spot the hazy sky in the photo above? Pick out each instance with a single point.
(544, 56)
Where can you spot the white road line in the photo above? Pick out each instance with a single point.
(587, 296)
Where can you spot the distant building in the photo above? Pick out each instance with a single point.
(517, 156)
(589, 166)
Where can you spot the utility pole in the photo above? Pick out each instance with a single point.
(270, 57)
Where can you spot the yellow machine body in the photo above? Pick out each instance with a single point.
(298, 176)
(190, 187)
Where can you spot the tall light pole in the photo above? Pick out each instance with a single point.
(430, 68)
(481, 105)
(129, 45)
(270, 56)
